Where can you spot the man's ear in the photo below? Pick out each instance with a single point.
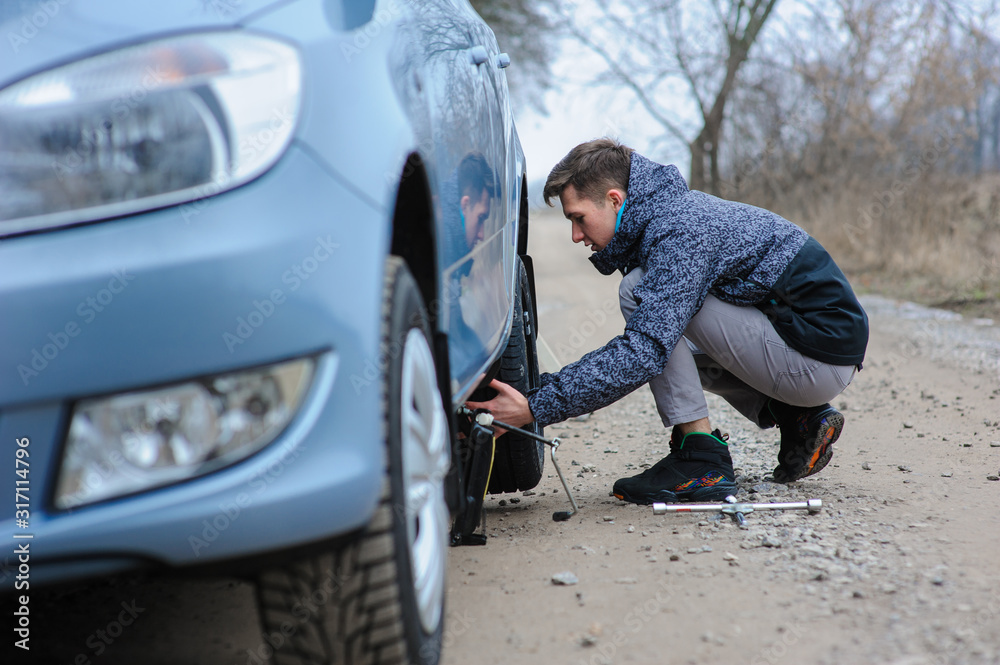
(463, 203)
(617, 197)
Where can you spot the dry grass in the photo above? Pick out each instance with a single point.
(935, 240)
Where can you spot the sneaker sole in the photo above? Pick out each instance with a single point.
(717, 492)
(831, 427)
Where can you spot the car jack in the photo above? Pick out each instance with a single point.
(479, 449)
(486, 419)
(482, 448)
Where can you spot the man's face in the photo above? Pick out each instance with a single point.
(593, 222)
(476, 210)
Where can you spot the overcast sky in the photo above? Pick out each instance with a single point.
(578, 112)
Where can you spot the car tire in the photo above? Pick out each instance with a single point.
(380, 598)
(519, 460)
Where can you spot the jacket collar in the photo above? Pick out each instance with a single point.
(652, 188)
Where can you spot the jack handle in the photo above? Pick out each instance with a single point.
(486, 419)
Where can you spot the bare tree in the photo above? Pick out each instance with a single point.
(651, 47)
(874, 137)
(982, 58)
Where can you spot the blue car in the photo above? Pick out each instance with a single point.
(254, 256)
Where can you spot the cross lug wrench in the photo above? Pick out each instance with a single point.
(736, 509)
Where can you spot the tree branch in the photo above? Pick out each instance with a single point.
(644, 98)
(673, 23)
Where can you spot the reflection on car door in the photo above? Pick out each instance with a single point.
(475, 240)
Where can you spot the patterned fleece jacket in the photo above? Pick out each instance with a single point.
(690, 244)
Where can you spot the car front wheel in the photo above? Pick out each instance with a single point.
(380, 599)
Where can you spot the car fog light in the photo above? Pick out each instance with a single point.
(136, 441)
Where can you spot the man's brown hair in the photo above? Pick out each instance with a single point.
(592, 168)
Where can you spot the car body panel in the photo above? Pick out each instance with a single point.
(186, 284)
(439, 88)
(222, 515)
(167, 295)
(168, 306)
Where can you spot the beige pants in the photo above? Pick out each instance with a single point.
(735, 353)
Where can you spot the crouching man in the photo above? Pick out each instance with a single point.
(717, 296)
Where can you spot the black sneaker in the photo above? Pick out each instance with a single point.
(699, 469)
(807, 438)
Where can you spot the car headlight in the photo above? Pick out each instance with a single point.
(137, 441)
(144, 127)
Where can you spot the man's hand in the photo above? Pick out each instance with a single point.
(509, 406)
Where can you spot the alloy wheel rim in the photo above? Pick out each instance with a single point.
(426, 459)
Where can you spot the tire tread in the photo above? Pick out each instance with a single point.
(519, 460)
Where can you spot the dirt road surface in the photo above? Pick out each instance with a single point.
(901, 567)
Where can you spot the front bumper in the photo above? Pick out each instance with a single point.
(166, 296)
